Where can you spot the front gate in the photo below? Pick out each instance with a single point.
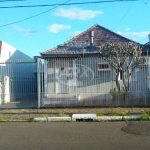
(18, 84)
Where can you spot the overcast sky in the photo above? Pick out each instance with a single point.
(57, 25)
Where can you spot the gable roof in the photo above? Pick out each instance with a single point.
(82, 41)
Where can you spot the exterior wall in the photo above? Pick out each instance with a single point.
(94, 83)
(6, 51)
(88, 79)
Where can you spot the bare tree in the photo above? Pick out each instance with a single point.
(124, 57)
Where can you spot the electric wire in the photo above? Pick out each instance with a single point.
(33, 16)
(122, 18)
(11, 0)
(66, 4)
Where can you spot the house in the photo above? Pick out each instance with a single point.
(146, 48)
(16, 73)
(10, 53)
(74, 72)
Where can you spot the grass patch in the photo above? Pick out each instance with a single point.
(113, 114)
(145, 116)
(2, 119)
(98, 114)
(31, 120)
(123, 113)
(62, 115)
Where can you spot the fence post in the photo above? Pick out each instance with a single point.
(74, 78)
(45, 78)
(38, 81)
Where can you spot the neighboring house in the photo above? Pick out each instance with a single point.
(16, 72)
(146, 48)
(9, 53)
(73, 70)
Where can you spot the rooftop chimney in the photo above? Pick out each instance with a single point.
(91, 38)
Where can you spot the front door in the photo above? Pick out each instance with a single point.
(62, 77)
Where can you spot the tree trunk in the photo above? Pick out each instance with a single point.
(117, 82)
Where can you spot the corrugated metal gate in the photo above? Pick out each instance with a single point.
(18, 84)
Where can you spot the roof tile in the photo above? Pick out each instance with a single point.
(82, 41)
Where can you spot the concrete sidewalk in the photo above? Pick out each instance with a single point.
(30, 114)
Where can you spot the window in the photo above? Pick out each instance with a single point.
(103, 67)
(143, 62)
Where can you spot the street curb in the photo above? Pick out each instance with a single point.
(59, 119)
(40, 119)
(88, 118)
(84, 117)
(132, 117)
(109, 118)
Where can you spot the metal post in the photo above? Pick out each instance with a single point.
(38, 81)
(45, 78)
(74, 78)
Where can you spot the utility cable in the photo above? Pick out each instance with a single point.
(33, 16)
(122, 17)
(66, 4)
(11, 0)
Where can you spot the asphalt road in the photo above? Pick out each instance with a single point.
(74, 136)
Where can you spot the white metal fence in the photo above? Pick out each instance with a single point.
(18, 84)
(72, 82)
(92, 82)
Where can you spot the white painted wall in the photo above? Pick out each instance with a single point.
(10, 53)
(6, 51)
